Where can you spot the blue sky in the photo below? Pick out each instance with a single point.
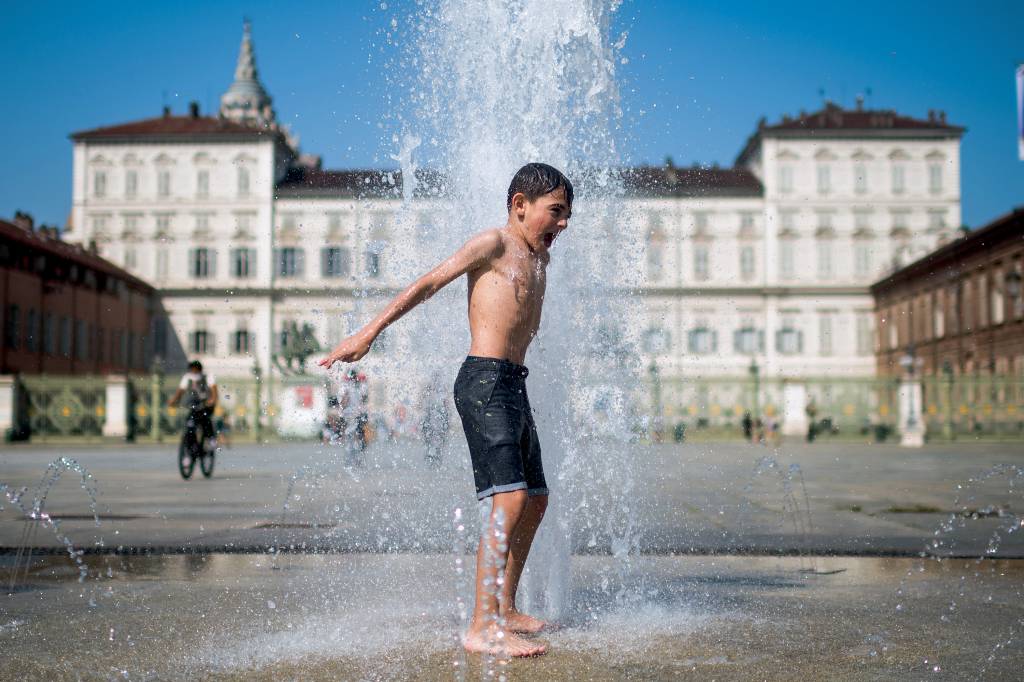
(698, 77)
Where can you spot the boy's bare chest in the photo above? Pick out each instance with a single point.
(526, 279)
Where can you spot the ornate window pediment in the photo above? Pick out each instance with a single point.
(131, 160)
(898, 155)
(861, 155)
(203, 159)
(787, 155)
(935, 156)
(163, 160)
(100, 160)
(824, 154)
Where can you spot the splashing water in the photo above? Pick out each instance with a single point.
(489, 85)
(954, 539)
(36, 516)
(500, 83)
(796, 505)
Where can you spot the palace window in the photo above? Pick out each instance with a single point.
(865, 335)
(785, 178)
(824, 334)
(655, 252)
(747, 262)
(702, 340)
(825, 270)
(788, 339)
(862, 259)
(203, 262)
(860, 178)
(81, 340)
(335, 261)
(243, 181)
(131, 184)
(12, 327)
(243, 263)
(898, 179)
(242, 342)
(99, 184)
(935, 178)
(200, 341)
(701, 262)
(203, 184)
(748, 340)
(65, 336)
(31, 331)
(996, 299)
(787, 253)
(290, 261)
(656, 341)
(938, 316)
(163, 183)
(824, 178)
(49, 346)
(161, 264)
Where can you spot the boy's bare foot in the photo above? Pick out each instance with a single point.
(501, 644)
(524, 624)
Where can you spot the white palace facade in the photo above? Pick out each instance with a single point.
(769, 260)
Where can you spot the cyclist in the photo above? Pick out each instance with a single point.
(201, 391)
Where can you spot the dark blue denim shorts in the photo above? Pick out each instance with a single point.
(490, 395)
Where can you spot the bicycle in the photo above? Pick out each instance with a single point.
(195, 445)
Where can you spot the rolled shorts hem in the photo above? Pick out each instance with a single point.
(507, 488)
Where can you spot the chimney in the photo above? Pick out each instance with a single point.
(860, 102)
(23, 220)
(167, 111)
(942, 117)
(193, 109)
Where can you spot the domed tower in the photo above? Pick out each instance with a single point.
(246, 101)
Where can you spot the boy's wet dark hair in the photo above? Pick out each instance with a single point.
(195, 365)
(537, 179)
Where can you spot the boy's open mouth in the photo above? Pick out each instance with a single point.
(549, 239)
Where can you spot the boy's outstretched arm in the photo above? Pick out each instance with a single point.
(474, 253)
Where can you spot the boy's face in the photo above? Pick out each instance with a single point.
(543, 219)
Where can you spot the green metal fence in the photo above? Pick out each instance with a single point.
(64, 407)
(74, 408)
(952, 408)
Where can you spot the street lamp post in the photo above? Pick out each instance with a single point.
(913, 429)
(257, 373)
(755, 375)
(655, 399)
(156, 404)
(947, 429)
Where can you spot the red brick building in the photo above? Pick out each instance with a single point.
(66, 311)
(959, 308)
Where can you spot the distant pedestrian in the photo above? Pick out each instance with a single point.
(748, 427)
(812, 414)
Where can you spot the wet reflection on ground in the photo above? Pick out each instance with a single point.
(392, 616)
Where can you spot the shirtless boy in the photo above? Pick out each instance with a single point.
(506, 268)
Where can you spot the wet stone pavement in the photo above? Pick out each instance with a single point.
(392, 617)
(181, 581)
(696, 498)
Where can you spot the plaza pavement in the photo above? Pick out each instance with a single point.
(193, 595)
(863, 499)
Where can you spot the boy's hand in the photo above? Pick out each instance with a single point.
(350, 350)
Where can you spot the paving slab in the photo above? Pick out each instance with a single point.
(861, 499)
(395, 617)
